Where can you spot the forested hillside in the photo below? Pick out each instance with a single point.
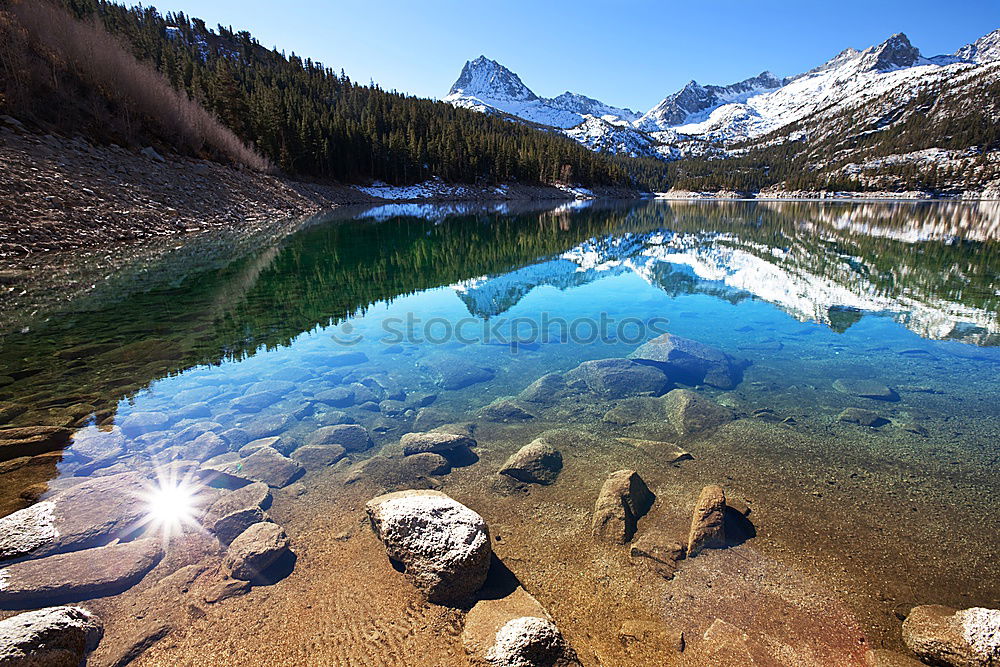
(301, 115)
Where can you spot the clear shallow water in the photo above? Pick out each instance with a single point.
(902, 294)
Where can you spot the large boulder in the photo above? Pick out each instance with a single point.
(708, 521)
(690, 362)
(443, 545)
(623, 500)
(538, 462)
(89, 514)
(943, 636)
(78, 575)
(689, 412)
(256, 549)
(618, 378)
(50, 637)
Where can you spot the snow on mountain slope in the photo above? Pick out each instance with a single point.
(486, 85)
(694, 99)
(618, 137)
(984, 50)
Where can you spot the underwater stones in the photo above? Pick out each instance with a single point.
(138, 423)
(391, 408)
(254, 402)
(394, 473)
(252, 446)
(707, 523)
(332, 418)
(666, 452)
(865, 389)
(279, 387)
(943, 636)
(530, 641)
(544, 390)
(689, 412)
(352, 437)
(206, 446)
(505, 410)
(237, 510)
(623, 500)
(862, 417)
(634, 410)
(265, 426)
(443, 545)
(79, 575)
(647, 637)
(434, 441)
(338, 397)
(93, 443)
(8, 411)
(538, 462)
(266, 465)
(291, 374)
(256, 549)
(453, 372)
(31, 440)
(93, 512)
(50, 637)
(341, 359)
(659, 550)
(425, 464)
(315, 457)
(618, 378)
(492, 613)
(690, 362)
(883, 658)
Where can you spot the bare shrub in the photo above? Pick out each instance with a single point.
(138, 95)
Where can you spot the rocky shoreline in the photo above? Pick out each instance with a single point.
(989, 192)
(59, 193)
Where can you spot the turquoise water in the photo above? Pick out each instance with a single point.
(418, 316)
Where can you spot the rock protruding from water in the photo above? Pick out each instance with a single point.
(78, 575)
(943, 636)
(623, 500)
(436, 442)
(619, 378)
(490, 615)
(538, 462)
(50, 637)
(689, 412)
(708, 522)
(690, 362)
(237, 510)
(256, 549)
(865, 389)
(89, 514)
(443, 545)
(530, 641)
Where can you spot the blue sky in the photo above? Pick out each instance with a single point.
(623, 54)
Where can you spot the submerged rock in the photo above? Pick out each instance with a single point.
(659, 550)
(536, 463)
(434, 441)
(883, 658)
(690, 362)
(316, 457)
(256, 549)
(237, 510)
(489, 616)
(943, 636)
(138, 423)
(452, 372)
(506, 410)
(78, 575)
(623, 500)
(266, 465)
(618, 378)
(88, 514)
(31, 440)
(426, 463)
(689, 412)
(352, 437)
(708, 522)
(50, 637)
(443, 545)
(862, 417)
(865, 389)
(544, 390)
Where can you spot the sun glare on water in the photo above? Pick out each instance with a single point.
(171, 506)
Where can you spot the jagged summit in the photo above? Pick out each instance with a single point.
(983, 50)
(488, 79)
(894, 53)
(694, 98)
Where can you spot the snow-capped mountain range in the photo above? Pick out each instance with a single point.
(702, 118)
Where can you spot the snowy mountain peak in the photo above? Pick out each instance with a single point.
(894, 53)
(489, 80)
(694, 99)
(983, 50)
